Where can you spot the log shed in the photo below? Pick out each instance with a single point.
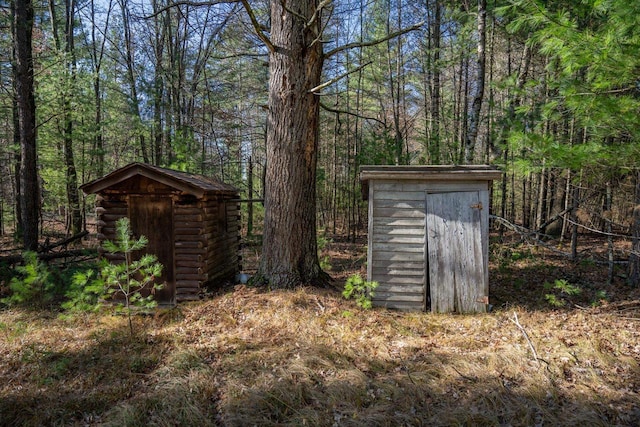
(192, 223)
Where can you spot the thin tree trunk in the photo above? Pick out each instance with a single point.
(435, 138)
(491, 102)
(250, 196)
(565, 205)
(634, 258)
(68, 84)
(30, 194)
(354, 211)
(129, 63)
(574, 221)
(527, 190)
(16, 135)
(476, 106)
(609, 230)
(73, 195)
(158, 85)
(541, 204)
(97, 54)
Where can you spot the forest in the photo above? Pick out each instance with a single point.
(546, 92)
(286, 100)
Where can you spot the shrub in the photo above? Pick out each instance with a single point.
(130, 283)
(360, 290)
(565, 290)
(86, 289)
(34, 284)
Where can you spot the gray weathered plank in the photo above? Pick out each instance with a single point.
(397, 222)
(399, 289)
(398, 213)
(398, 271)
(388, 280)
(398, 297)
(398, 204)
(431, 186)
(395, 247)
(400, 239)
(399, 230)
(455, 256)
(379, 255)
(400, 195)
(402, 264)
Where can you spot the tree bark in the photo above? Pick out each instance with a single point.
(634, 258)
(608, 229)
(69, 64)
(476, 106)
(96, 51)
(30, 195)
(16, 134)
(73, 195)
(434, 145)
(129, 63)
(289, 253)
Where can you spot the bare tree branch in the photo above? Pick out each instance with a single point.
(258, 27)
(374, 42)
(335, 79)
(189, 3)
(350, 113)
(534, 353)
(317, 12)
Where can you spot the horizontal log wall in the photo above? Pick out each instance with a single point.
(190, 250)
(109, 209)
(223, 249)
(206, 239)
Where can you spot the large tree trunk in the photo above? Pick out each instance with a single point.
(29, 196)
(289, 252)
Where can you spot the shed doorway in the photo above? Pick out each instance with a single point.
(455, 257)
(152, 216)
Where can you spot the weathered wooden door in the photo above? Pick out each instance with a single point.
(457, 277)
(152, 216)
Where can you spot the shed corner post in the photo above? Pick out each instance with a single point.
(370, 219)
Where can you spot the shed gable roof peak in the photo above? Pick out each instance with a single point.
(190, 183)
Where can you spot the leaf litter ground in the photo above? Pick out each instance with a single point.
(306, 357)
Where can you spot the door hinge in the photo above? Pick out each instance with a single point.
(477, 206)
(483, 299)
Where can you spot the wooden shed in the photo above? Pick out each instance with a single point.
(428, 236)
(191, 221)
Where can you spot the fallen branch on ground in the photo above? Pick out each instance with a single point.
(526, 336)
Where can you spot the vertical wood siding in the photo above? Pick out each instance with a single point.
(456, 262)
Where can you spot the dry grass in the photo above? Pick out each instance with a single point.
(306, 357)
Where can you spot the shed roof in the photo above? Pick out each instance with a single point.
(197, 185)
(428, 173)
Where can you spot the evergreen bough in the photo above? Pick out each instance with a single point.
(129, 284)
